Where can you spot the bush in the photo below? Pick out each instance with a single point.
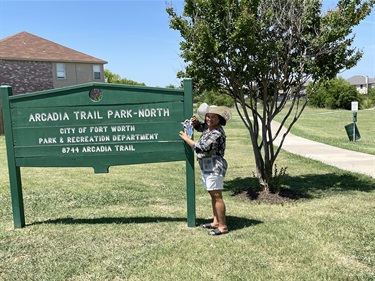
(336, 93)
(371, 94)
(211, 97)
(366, 103)
(369, 99)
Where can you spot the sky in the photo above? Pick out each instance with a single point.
(133, 36)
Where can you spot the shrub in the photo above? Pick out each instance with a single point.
(371, 94)
(336, 93)
(211, 97)
(368, 100)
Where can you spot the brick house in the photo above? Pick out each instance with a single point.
(30, 63)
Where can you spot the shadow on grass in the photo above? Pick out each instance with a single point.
(233, 222)
(309, 186)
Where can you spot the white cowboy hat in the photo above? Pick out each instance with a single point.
(223, 111)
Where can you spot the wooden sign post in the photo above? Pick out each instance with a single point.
(96, 125)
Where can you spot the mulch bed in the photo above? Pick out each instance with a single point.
(284, 196)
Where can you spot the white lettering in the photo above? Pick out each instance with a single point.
(101, 148)
(70, 150)
(47, 140)
(124, 148)
(123, 128)
(64, 131)
(153, 112)
(45, 117)
(87, 115)
(132, 137)
(98, 129)
(87, 139)
(123, 113)
(82, 130)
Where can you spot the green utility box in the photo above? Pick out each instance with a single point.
(349, 131)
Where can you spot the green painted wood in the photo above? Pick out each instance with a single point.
(112, 94)
(104, 133)
(103, 163)
(96, 115)
(189, 153)
(13, 169)
(127, 150)
(96, 125)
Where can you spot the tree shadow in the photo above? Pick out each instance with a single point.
(308, 186)
(233, 221)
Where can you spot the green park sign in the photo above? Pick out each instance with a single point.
(96, 125)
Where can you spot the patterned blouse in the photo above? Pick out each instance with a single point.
(211, 144)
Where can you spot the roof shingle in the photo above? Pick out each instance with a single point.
(26, 46)
(360, 80)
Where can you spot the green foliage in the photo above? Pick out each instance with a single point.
(212, 97)
(117, 79)
(367, 103)
(254, 50)
(369, 99)
(170, 86)
(232, 43)
(335, 94)
(277, 179)
(371, 94)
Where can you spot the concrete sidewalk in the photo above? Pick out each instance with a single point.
(344, 159)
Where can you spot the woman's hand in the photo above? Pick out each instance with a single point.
(194, 121)
(183, 135)
(186, 138)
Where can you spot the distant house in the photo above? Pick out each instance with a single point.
(362, 83)
(30, 63)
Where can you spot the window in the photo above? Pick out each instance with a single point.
(60, 70)
(96, 69)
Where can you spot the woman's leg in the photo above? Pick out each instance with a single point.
(218, 208)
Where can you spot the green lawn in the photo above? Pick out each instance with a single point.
(130, 224)
(328, 126)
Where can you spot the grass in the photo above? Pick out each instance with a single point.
(130, 224)
(328, 126)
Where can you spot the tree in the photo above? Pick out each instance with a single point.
(371, 95)
(336, 93)
(260, 51)
(116, 79)
(211, 97)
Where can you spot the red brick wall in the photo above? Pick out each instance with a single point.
(26, 76)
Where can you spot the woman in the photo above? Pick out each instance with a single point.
(210, 150)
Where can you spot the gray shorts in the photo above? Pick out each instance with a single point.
(213, 181)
